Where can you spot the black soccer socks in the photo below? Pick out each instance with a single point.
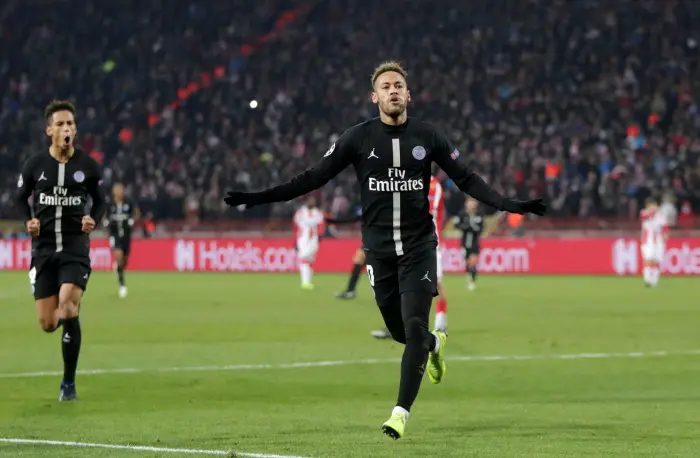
(70, 345)
(120, 274)
(415, 307)
(354, 276)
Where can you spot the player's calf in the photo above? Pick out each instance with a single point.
(71, 339)
(472, 265)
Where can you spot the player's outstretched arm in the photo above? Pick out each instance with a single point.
(337, 158)
(25, 187)
(447, 157)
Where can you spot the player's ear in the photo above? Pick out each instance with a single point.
(375, 99)
(408, 96)
(49, 130)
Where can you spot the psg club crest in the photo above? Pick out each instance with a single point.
(79, 176)
(418, 153)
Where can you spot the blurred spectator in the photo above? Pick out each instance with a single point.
(592, 104)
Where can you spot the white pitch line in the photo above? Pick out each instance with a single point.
(142, 448)
(248, 367)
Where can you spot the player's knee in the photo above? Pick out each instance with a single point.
(69, 307)
(359, 257)
(48, 324)
(416, 328)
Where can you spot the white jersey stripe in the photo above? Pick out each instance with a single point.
(60, 181)
(396, 215)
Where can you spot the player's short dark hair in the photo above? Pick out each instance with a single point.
(56, 106)
(388, 66)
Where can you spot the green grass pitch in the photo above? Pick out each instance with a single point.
(638, 406)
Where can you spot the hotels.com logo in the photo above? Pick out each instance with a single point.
(677, 260)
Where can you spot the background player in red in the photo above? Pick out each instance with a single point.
(437, 209)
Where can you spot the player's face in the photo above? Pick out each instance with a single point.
(62, 129)
(118, 192)
(311, 202)
(471, 206)
(391, 94)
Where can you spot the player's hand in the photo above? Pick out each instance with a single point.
(242, 200)
(88, 224)
(33, 227)
(537, 206)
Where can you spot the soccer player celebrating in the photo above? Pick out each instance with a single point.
(471, 223)
(653, 243)
(308, 221)
(61, 180)
(392, 157)
(122, 216)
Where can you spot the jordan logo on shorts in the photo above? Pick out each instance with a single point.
(425, 277)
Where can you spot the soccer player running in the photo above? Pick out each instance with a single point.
(392, 157)
(61, 180)
(308, 222)
(471, 223)
(123, 214)
(653, 243)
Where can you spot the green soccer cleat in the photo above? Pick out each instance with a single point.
(395, 426)
(436, 361)
(307, 286)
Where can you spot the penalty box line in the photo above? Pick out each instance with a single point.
(141, 448)
(247, 367)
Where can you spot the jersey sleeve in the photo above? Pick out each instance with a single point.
(338, 157)
(25, 188)
(446, 157)
(93, 183)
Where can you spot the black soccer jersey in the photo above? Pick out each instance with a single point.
(121, 219)
(471, 226)
(392, 164)
(60, 197)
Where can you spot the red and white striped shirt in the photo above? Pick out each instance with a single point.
(308, 223)
(654, 227)
(437, 205)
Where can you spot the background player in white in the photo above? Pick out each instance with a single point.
(653, 243)
(308, 223)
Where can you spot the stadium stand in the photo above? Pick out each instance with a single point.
(593, 105)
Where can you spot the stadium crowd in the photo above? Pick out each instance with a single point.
(591, 104)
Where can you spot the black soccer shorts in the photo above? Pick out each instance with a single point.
(121, 243)
(49, 272)
(390, 276)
